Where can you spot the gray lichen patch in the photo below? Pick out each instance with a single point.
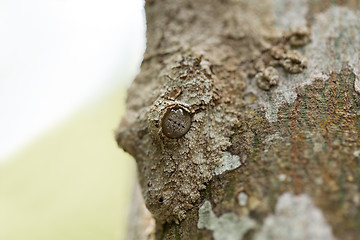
(227, 162)
(357, 84)
(290, 22)
(242, 199)
(226, 227)
(294, 62)
(300, 37)
(328, 43)
(290, 14)
(327, 52)
(295, 218)
(283, 56)
(356, 153)
(267, 78)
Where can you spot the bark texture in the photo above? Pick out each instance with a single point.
(273, 91)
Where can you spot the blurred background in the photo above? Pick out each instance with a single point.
(65, 66)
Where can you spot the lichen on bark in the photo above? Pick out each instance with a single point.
(274, 102)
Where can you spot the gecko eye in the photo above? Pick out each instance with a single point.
(176, 122)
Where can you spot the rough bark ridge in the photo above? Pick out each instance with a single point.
(273, 91)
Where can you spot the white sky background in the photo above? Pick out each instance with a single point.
(56, 55)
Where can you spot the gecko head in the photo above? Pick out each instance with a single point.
(177, 134)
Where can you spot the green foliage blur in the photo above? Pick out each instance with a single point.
(73, 183)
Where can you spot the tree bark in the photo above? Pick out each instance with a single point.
(245, 120)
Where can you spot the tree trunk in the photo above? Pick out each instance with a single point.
(244, 120)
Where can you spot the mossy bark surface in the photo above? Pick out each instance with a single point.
(273, 89)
